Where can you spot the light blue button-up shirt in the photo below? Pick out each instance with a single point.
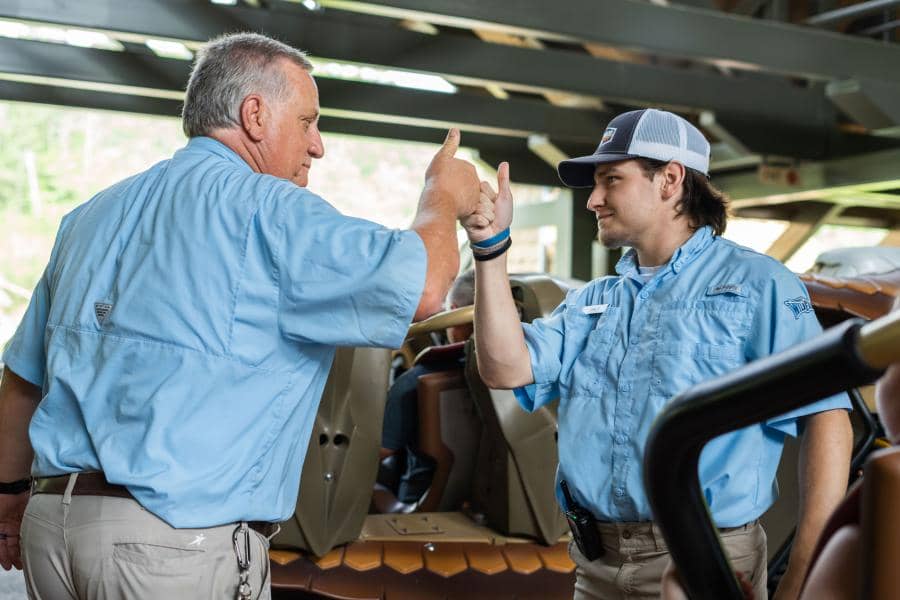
(184, 327)
(618, 350)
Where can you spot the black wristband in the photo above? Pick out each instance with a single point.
(15, 487)
(494, 254)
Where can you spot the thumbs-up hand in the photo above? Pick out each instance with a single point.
(494, 211)
(453, 176)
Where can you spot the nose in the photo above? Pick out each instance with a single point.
(317, 145)
(596, 199)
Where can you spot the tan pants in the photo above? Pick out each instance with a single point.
(98, 548)
(636, 556)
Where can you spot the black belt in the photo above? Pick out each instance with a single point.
(95, 484)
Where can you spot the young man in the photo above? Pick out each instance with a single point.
(686, 306)
(168, 370)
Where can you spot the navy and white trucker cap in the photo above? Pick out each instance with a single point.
(647, 133)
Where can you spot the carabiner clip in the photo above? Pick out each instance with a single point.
(243, 559)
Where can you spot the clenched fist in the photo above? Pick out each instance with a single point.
(494, 211)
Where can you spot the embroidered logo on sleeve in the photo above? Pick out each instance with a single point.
(594, 309)
(798, 306)
(101, 311)
(728, 288)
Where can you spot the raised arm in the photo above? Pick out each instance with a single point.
(451, 193)
(503, 359)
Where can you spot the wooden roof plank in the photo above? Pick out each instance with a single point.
(522, 558)
(446, 560)
(485, 558)
(363, 556)
(404, 557)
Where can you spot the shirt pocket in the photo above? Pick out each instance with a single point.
(588, 340)
(697, 341)
(678, 366)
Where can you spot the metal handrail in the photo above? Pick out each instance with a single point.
(848, 355)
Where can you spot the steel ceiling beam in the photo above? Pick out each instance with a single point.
(671, 30)
(871, 177)
(145, 73)
(514, 117)
(492, 148)
(374, 40)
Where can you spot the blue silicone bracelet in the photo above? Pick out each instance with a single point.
(494, 240)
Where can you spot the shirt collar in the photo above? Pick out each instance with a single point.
(208, 145)
(686, 253)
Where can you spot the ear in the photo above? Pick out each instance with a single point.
(671, 178)
(253, 116)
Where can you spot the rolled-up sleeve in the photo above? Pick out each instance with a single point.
(785, 318)
(25, 355)
(544, 339)
(345, 281)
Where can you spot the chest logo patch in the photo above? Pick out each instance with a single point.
(728, 288)
(594, 309)
(101, 311)
(798, 306)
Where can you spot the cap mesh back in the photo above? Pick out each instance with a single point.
(666, 136)
(696, 142)
(658, 128)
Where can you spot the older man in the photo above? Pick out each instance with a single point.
(686, 306)
(174, 352)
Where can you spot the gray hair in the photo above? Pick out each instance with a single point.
(462, 292)
(228, 69)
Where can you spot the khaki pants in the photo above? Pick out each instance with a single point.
(636, 556)
(98, 548)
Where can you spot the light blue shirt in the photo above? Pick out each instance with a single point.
(184, 327)
(618, 350)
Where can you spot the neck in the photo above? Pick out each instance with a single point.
(242, 145)
(659, 247)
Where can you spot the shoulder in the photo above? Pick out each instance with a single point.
(284, 197)
(592, 292)
(755, 268)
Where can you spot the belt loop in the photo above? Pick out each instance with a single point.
(275, 531)
(67, 495)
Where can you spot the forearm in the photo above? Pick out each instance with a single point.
(18, 401)
(435, 222)
(503, 359)
(824, 466)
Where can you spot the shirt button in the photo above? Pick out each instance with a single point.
(626, 534)
(621, 438)
(625, 387)
(644, 295)
(619, 492)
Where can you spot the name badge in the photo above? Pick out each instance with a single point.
(730, 288)
(594, 309)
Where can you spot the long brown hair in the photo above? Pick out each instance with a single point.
(700, 200)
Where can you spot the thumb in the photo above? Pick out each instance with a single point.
(503, 178)
(451, 144)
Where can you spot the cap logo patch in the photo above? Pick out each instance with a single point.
(608, 135)
(101, 311)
